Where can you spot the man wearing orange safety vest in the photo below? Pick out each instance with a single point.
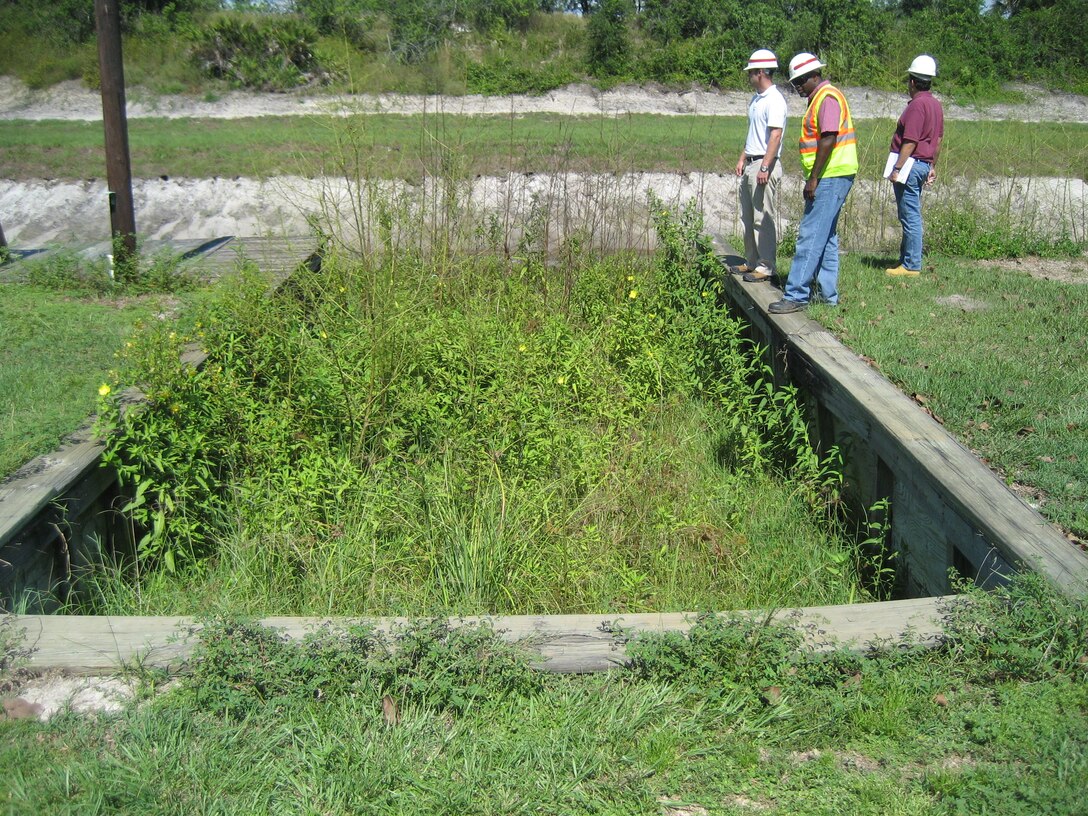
(829, 159)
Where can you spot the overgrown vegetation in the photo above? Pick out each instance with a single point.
(514, 46)
(728, 719)
(397, 433)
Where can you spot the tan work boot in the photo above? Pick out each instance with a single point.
(902, 272)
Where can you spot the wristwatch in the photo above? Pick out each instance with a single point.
(764, 169)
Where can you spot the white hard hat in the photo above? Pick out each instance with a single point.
(923, 67)
(804, 63)
(761, 59)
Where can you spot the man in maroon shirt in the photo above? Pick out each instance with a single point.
(917, 136)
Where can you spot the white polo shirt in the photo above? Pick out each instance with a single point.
(766, 110)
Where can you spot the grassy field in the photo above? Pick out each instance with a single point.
(731, 720)
(396, 146)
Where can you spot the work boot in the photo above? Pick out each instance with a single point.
(740, 269)
(785, 307)
(902, 272)
(760, 273)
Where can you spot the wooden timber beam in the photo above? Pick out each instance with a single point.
(91, 645)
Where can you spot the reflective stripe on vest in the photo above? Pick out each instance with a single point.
(843, 160)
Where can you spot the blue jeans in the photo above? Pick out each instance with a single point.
(817, 256)
(908, 201)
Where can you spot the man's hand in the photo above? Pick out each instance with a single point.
(932, 177)
(740, 166)
(810, 189)
(763, 178)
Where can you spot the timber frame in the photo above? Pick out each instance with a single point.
(948, 511)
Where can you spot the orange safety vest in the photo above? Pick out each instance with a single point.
(843, 160)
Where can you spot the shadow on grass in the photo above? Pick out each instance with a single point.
(880, 262)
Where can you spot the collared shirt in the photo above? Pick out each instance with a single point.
(766, 110)
(922, 123)
(830, 113)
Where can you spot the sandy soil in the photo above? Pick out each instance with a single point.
(72, 101)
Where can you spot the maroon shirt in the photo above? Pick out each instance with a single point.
(922, 123)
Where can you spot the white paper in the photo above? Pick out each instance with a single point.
(904, 172)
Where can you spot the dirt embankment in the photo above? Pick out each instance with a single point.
(72, 101)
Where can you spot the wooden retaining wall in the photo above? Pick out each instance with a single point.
(565, 643)
(947, 509)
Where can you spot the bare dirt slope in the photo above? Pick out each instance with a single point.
(73, 101)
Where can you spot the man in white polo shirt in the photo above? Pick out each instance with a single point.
(760, 170)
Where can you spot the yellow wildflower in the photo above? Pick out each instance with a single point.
(104, 390)
(633, 294)
(521, 347)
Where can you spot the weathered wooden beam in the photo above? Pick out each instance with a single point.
(564, 643)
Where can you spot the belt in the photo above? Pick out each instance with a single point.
(750, 159)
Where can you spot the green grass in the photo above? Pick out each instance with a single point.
(993, 721)
(996, 354)
(395, 146)
(56, 349)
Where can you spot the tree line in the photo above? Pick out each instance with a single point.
(276, 44)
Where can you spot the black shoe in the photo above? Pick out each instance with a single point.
(785, 306)
(740, 269)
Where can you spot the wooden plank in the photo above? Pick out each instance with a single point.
(565, 643)
(44, 480)
(279, 257)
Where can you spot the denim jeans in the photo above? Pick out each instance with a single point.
(817, 256)
(908, 201)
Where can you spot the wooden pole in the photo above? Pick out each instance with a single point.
(118, 167)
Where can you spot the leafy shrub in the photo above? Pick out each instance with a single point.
(418, 28)
(350, 19)
(502, 76)
(239, 668)
(488, 15)
(608, 41)
(273, 54)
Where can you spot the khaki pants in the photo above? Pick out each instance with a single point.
(759, 215)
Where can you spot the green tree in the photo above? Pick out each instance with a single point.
(609, 41)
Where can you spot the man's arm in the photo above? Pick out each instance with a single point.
(932, 177)
(905, 151)
(774, 141)
(824, 147)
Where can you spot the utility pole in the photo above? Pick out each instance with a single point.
(107, 14)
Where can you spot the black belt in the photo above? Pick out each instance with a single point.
(750, 159)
